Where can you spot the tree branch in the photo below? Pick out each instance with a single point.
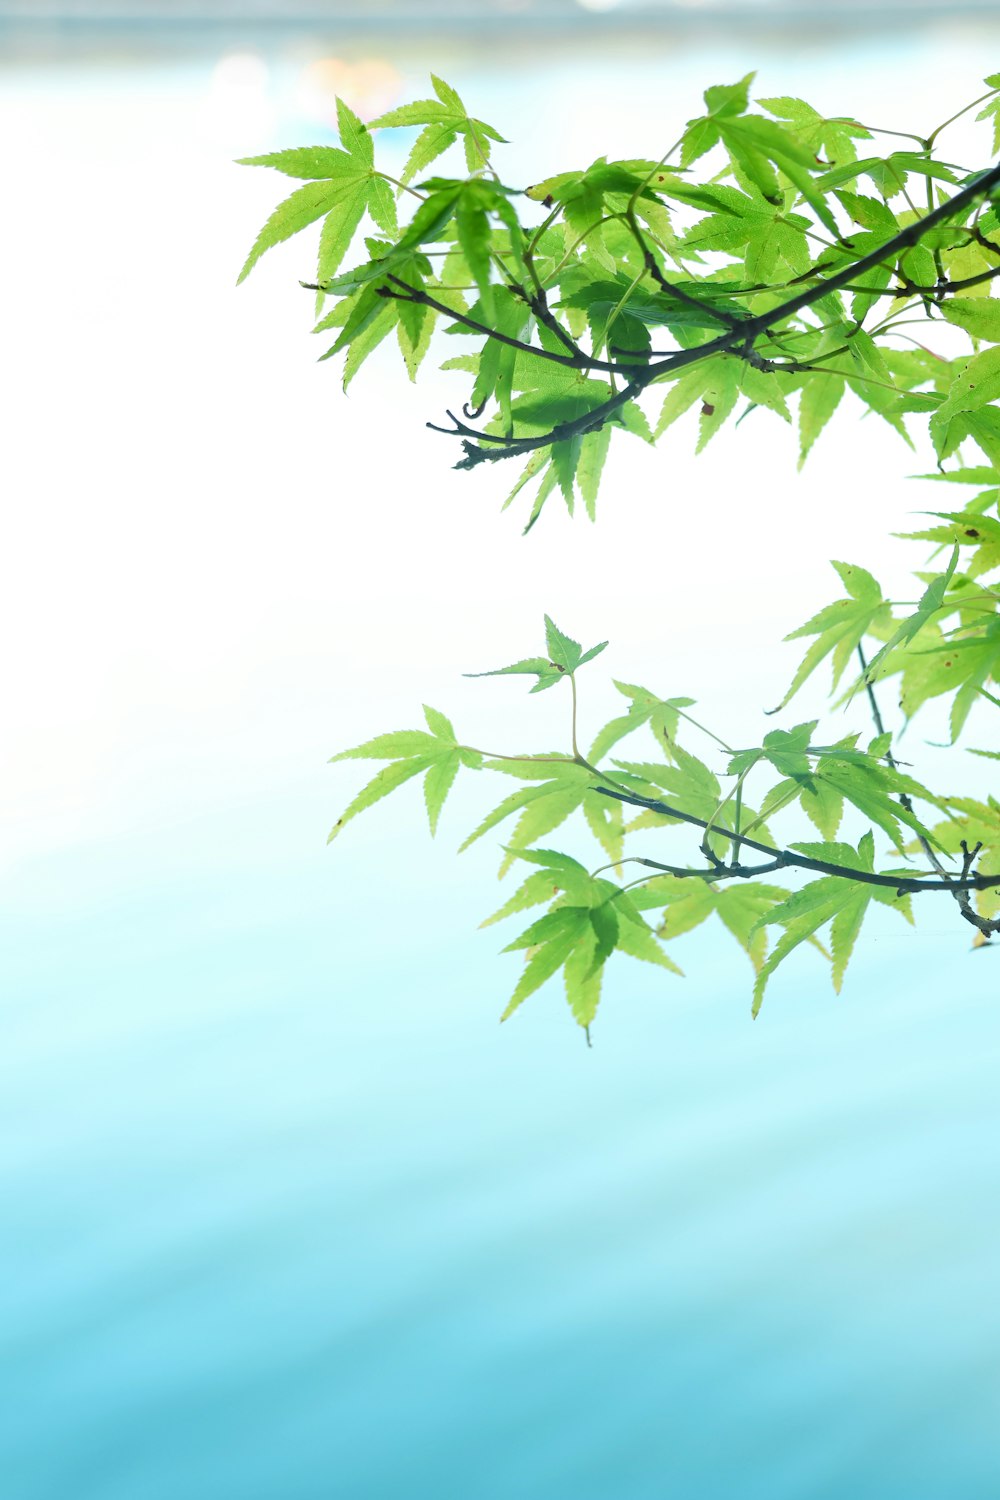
(738, 338)
(728, 320)
(904, 240)
(509, 447)
(575, 361)
(784, 858)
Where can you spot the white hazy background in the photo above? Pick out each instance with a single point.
(217, 570)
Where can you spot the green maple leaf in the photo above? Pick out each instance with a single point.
(555, 800)
(930, 603)
(873, 787)
(759, 146)
(565, 652)
(304, 207)
(835, 137)
(688, 903)
(786, 750)
(411, 751)
(969, 528)
(572, 923)
(346, 186)
(821, 395)
(724, 102)
(961, 665)
(822, 802)
(637, 940)
(991, 110)
(565, 656)
(562, 787)
(841, 627)
(590, 918)
(979, 316)
(541, 808)
(688, 780)
(841, 902)
(661, 714)
(539, 887)
(552, 393)
(445, 119)
(583, 972)
(742, 217)
(975, 386)
(539, 667)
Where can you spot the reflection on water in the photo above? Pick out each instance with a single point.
(286, 1215)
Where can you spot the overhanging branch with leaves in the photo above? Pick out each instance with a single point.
(778, 266)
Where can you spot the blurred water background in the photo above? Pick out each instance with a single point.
(285, 1215)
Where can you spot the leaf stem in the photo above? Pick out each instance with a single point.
(576, 748)
(929, 142)
(562, 760)
(404, 187)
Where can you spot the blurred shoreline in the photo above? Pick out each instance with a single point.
(63, 31)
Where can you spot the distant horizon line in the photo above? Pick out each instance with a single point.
(477, 14)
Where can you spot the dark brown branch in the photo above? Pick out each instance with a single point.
(540, 307)
(423, 299)
(461, 429)
(738, 338)
(512, 447)
(575, 361)
(904, 240)
(712, 872)
(750, 328)
(986, 925)
(905, 288)
(728, 320)
(943, 288)
(784, 858)
(981, 239)
(732, 321)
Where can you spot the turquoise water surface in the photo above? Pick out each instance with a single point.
(286, 1215)
(287, 1219)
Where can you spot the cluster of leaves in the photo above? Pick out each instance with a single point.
(769, 261)
(776, 262)
(590, 916)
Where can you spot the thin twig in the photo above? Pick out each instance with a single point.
(984, 924)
